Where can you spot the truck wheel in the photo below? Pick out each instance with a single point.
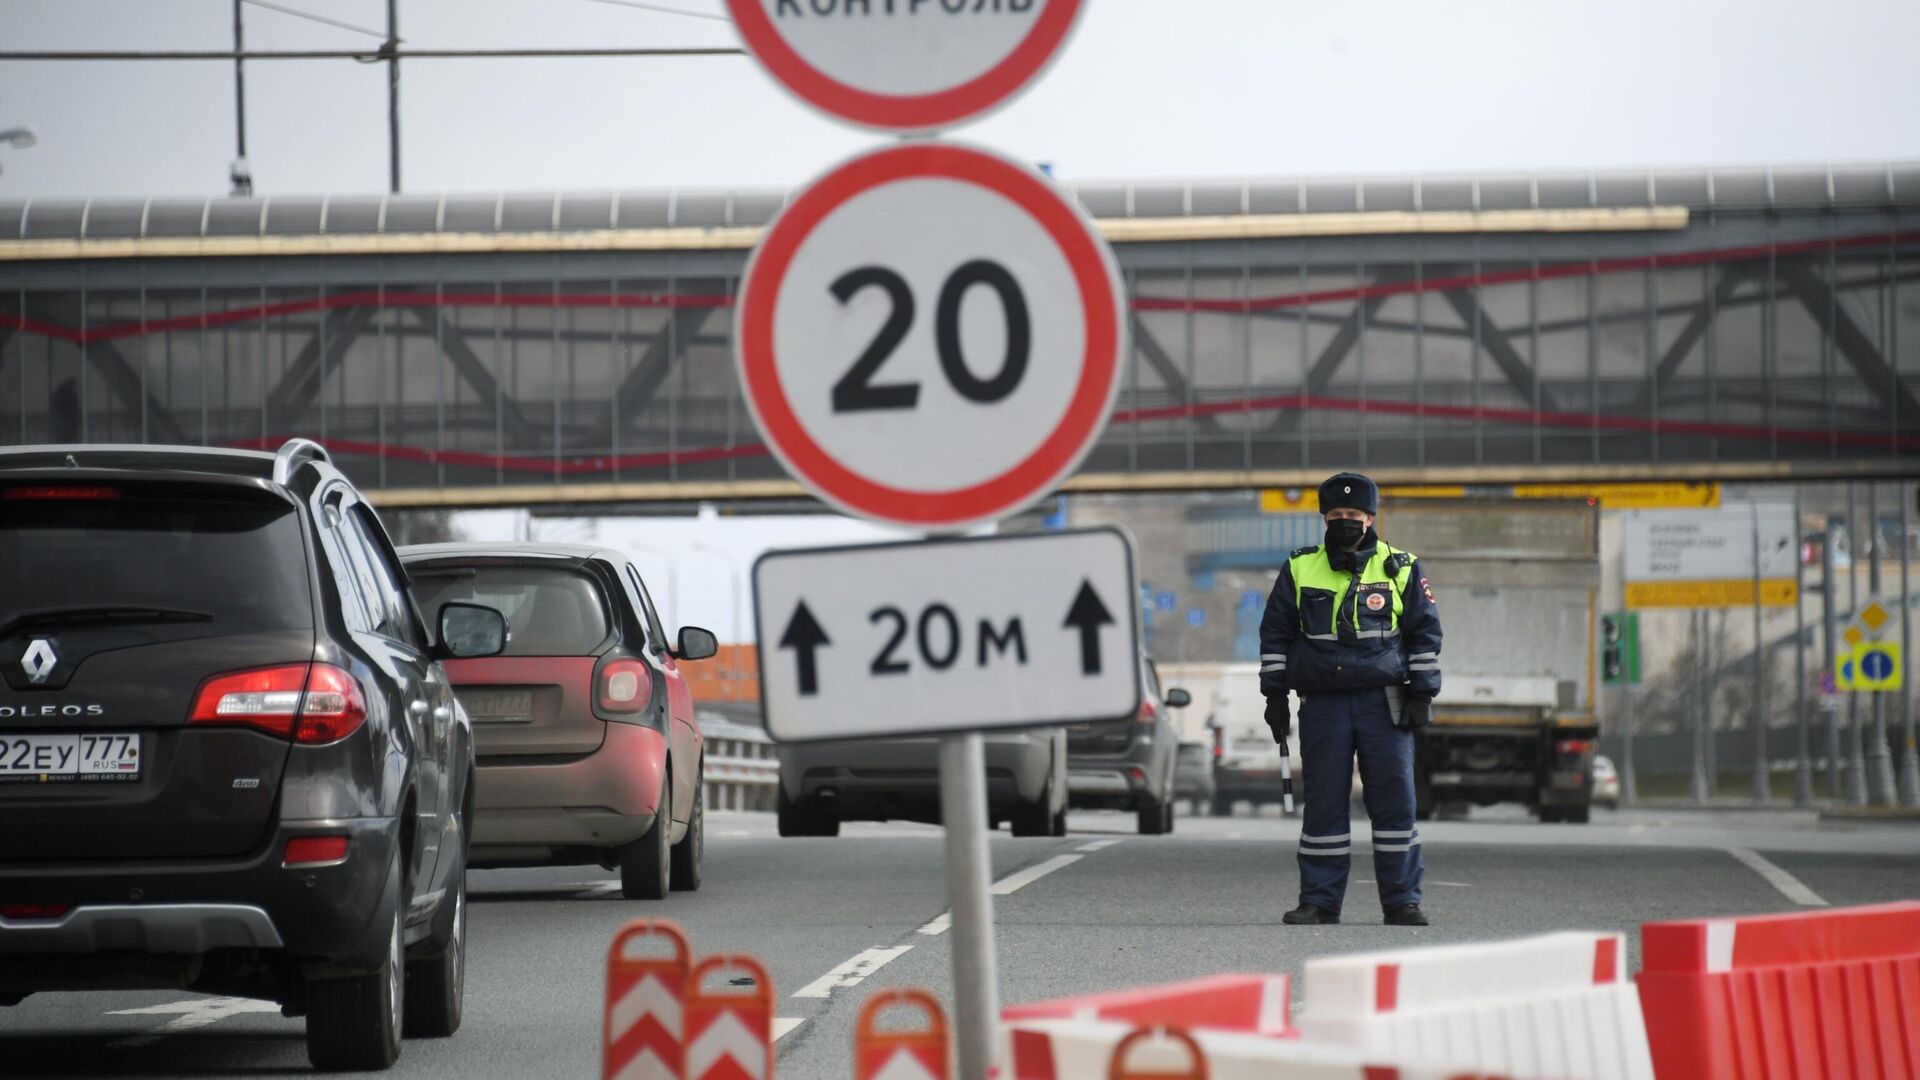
(1576, 815)
(1155, 819)
(1035, 818)
(798, 819)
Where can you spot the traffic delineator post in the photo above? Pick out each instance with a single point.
(1254, 1004)
(901, 1055)
(643, 1024)
(1120, 1068)
(1799, 996)
(729, 1034)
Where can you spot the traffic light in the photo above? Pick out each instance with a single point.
(1612, 666)
(1620, 649)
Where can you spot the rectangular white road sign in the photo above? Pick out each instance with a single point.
(1705, 558)
(934, 636)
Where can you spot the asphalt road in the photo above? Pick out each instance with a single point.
(1101, 909)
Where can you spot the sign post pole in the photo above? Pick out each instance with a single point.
(1762, 778)
(1856, 738)
(1910, 760)
(976, 983)
(1829, 654)
(1803, 759)
(1702, 682)
(1879, 757)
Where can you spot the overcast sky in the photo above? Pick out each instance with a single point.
(1146, 88)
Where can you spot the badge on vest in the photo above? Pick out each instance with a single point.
(1376, 602)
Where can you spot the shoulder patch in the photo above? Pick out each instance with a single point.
(1308, 550)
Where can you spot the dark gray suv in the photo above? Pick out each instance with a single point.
(1129, 764)
(229, 760)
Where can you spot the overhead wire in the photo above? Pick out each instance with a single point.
(311, 17)
(665, 10)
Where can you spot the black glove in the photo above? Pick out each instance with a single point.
(1417, 714)
(1278, 719)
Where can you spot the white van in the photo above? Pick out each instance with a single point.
(1247, 763)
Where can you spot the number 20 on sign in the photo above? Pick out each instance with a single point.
(931, 335)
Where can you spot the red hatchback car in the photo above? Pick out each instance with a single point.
(583, 727)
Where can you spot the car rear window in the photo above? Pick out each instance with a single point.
(241, 562)
(550, 611)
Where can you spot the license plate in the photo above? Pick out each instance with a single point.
(498, 706)
(41, 759)
(1447, 778)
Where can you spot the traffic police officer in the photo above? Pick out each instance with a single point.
(1353, 628)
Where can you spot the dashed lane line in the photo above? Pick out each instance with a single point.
(851, 973)
(1097, 845)
(1013, 883)
(938, 926)
(783, 1026)
(1789, 886)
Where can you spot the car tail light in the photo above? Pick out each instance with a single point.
(64, 492)
(34, 911)
(314, 851)
(623, 687)
(1148, 713)
(308, 703)
(1574, 746)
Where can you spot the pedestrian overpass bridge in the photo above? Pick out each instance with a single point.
(574, 348)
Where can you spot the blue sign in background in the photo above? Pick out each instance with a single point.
(1876, 665)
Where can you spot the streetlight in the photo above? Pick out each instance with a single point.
(20, 138)
(727, 671)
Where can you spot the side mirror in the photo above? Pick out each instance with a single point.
(696, 643)
(471, 630)
(1178, 698)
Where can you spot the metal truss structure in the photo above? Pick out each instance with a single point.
(577, 348)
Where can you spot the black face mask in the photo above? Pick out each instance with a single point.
(1344, 533)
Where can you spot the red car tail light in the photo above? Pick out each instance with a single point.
(308, 703)
(1148, 713)
(623, 688)
(63, 492)
(1574, 746)
(334, 708)
(314, 850)
(34, 911)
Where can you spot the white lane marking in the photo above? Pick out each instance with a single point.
(1789, 886)
(783, 1026)
(189, 1015)
(938, 926)
(852, 972)
(1013, 883)
(1097, 845)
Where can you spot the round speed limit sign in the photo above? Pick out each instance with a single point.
(931, 335)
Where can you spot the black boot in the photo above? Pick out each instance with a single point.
(1308, 915)
(1406, 915)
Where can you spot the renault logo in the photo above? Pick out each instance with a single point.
(39, 661)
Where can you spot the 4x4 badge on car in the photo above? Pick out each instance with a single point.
(39, 661)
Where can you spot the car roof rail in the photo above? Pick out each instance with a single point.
(295, 453)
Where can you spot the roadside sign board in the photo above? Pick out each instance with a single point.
(1877, 666)
(904, 65)
(1706, 557)
(931, 336)
(936, 636)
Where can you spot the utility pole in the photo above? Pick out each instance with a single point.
(240, 174)
(1857, 751)
(392, 51)
(1909, 763)
(1762, 777)
(1829, 634)
(1803, 764)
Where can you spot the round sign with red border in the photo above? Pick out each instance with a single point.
(905, 65)
(931, 335)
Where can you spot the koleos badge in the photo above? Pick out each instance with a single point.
(39, 661)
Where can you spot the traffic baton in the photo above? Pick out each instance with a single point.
(900, 1055)
(1286, 779)
(1118, 1069)
(644, 1022)
(730, 1035)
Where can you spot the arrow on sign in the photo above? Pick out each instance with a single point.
(804, 636)
(1089, 614)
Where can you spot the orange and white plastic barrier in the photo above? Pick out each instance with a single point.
(729, 1034)
(644, 1020)
(1122, 1066)
(1074, 1049)
(1253, 1004)
(1556, 1005)
(917, 1054)
(1800, 996)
